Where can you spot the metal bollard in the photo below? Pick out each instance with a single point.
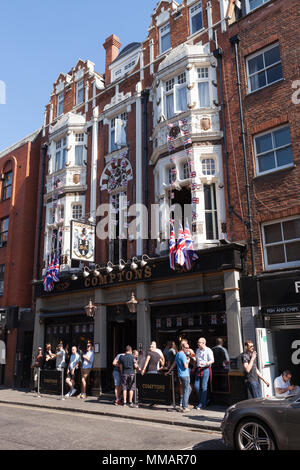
(136, 405)
(173, 394)
(39, 378)
(62, 385)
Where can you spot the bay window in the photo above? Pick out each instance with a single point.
(203, 87)
(175, 96)
(61, 154)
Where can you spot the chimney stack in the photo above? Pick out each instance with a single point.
(111, 46)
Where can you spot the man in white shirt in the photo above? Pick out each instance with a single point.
(283, 387)
(204, 360)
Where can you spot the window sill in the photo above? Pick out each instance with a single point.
(162, 54)
(250, 93)
(275, 172)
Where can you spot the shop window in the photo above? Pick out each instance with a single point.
(4, 223)
(6, 185)
(264, 68)
(281, 243)
(273, 150)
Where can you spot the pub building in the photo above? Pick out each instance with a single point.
(166, 305)
(275, 300)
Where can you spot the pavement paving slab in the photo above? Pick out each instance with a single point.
(209, 419)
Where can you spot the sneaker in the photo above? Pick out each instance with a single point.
(67, 395)
(83, 395)
(199, 407)
(73, 392)
(119, 402)
(124, 404)
(185, 410)
(131, 405)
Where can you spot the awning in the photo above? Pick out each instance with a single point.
(186, 300)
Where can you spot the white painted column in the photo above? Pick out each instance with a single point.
(93, 189)
(233, 313)
(139, 163)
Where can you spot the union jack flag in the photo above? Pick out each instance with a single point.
(172, 247)
(190, 254)
(187, 141)
(180, 251)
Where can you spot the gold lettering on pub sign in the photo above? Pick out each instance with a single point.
(124, 276)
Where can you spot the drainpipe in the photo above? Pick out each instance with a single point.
(40, 229)
(218, 54)
(234, 40)
(145, 96)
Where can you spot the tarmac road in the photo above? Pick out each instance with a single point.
(28, 428)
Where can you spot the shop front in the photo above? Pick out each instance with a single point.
(278, 298)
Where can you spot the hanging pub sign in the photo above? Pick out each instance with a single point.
(82, 242)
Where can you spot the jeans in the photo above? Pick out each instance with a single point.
(186, 391)
(253, 389)
(200, 385)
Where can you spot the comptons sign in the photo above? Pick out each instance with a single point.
(124, 276)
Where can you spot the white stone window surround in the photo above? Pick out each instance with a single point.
(253, 5)
(204, 75)
(163, 188)
(265, 68)
(125, 64)
(175, 95)
(77, 212)
(60, 104)
(123, 119)
(69, 135)
(282, 242)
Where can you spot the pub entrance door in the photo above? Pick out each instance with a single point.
(121, 331)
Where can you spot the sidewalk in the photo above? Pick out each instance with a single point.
(209, 419)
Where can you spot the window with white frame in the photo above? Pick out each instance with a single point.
(211, 212)
(208, 167)
(79, 146)
(60, 104)
(172, 172)
(175, 96)
(186, 170)
(281, 243)
(61, 154)
(77, 211)
(164, 38)
(79, 92)
(203, 87)
(264, 68)
(273, 150)
(252, 4)
(118, 132)
(196, 18)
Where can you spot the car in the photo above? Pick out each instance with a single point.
(263, 424)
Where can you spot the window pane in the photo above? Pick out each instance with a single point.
(284, 156)
(272, 56)
(267, 162)
(197, 22)
(274, 73)
(293, 251)
(282, 137)
(207, 197)
(209, 226)
(291, 229)
(79, 155)
(170, 106)
(113, 146)
(275, 254)
(256, 64)
(273, 233)
(203, 90)
(258, 81)
(181, 99)
(263, 143)
(165, 42)
(255, 3)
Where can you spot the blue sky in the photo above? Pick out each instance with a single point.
(40, 39)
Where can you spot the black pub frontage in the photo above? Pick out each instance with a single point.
(171, 305)
(277, 296)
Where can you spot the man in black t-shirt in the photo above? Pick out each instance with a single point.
(252, 374)
(127, 366)
(152, 362)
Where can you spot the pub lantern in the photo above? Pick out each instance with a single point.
(132, 304)
(90, 309)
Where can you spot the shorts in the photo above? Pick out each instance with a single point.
(117, 378)
(73, 376)
(127, 382)
(85, 373)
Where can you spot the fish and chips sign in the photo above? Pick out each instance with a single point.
(82, 242)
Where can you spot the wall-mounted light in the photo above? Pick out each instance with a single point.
(132, 304)
(144, 261)
(122, 264)
(74, 277)
(97, 270)
(86, 272)
(134, 264)
(90, 309)
(109, 267)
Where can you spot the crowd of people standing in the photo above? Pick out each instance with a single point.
(76, 365)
